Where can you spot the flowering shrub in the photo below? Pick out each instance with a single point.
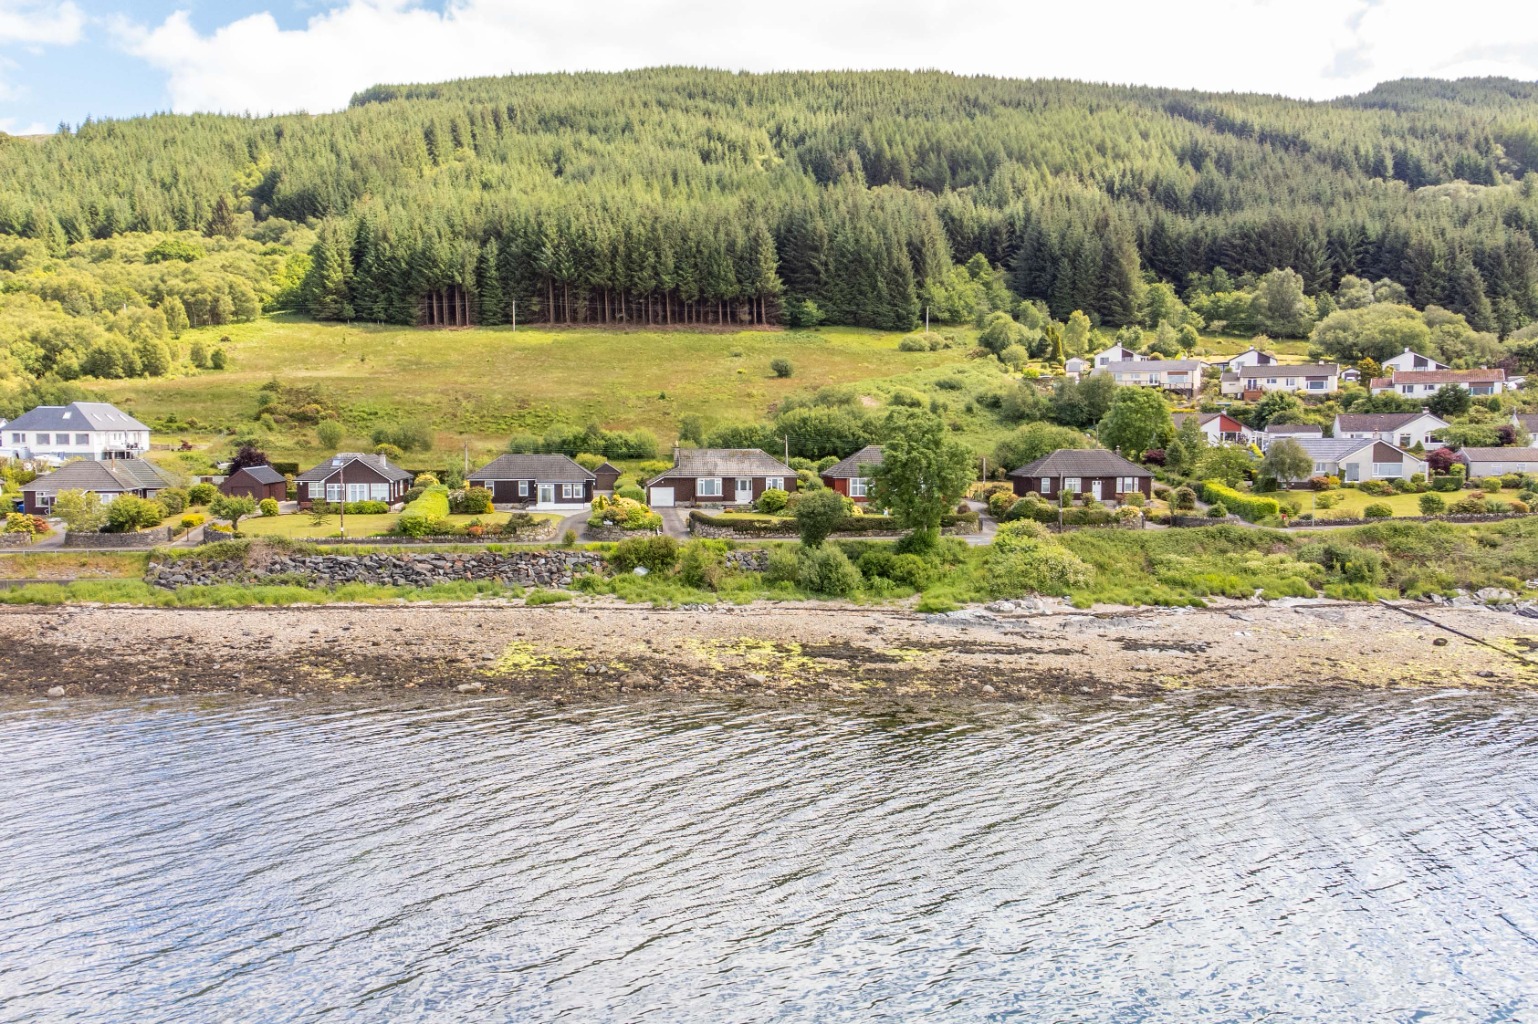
(623, 513)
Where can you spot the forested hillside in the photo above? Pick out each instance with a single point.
(680, 196)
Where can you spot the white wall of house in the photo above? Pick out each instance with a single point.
(1421, 390)
(1408, 360)
(1359, 466)
(1519, 463)
(1418, 431)
(1276, 378)
(73, 444)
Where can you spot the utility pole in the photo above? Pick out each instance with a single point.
(926, 319)
(467, 458)
(515, 314)
(342, 483)
(787, 449)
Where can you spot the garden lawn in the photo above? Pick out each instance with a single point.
(1354, 501)
(299, 527)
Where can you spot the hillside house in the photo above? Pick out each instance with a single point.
(1295, 431)
(1250, 357)
(1304, 379)
(853, 476)
(1408, 361)
(1217, 427)
(1355, 460)
(1091, 472)
(109, 479)
(718, 476)
(1425, 383)
(1117, 353)
(352, 476)
(80, 430)
(1529, 422)
(538, 482)
(1482, 462)
(1405, 429)
(1180, 375)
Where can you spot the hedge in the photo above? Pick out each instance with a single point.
(1245, 506)
(433, 504)
(761, 527)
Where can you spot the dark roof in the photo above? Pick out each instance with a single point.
(724, 462)
(517, 466)
(76, 416)
(378, 463)
(1284, 429)
(261, 474)
(1081, 462)
(1511, 453)
(607, 467)
(867, 457)
(1381, 420)
(110, 476)
(1528, 421)
(1291, 370)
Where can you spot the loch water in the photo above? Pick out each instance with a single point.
(1276, 856)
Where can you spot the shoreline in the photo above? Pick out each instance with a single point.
(577, 650)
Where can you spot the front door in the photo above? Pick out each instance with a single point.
(547, 494)
(1094, 488)
(744, 489)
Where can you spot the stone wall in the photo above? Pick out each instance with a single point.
(520, 568)
(142, 539)
(615, 533)
(15, 540)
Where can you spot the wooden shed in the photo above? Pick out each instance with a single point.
(255, 482)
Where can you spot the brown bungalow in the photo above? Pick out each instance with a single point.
(1091, 472)
(364, 477)
(256, 483)
(718, 476)
(538, 481)
(108, 479)
(853, 477)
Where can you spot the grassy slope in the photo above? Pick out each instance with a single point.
(479, 386)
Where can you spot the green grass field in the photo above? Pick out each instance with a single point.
(299, 527)
(477, 387)
(1353, 501)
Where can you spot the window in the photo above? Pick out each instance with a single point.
(1072, 484)
(1407, 389)
(523, 488)
(18, 438)
(859, 487)
(569, 490)
(774, 483)
(1292, 382)
(708, 487)
(333, 492)
(1386, 469)
(1321, 469)
(1404, 440)
(1315, 385)
(357, 492)
(379, 492)
(43, 439)
(1126, 484)
(1270, 380)
(1046, 485)
(744, 488)
(82, 439)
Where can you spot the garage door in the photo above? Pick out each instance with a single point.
(662, 497)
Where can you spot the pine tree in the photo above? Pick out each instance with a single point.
(221, 223)
(492, 310)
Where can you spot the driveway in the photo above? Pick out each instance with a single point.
(675, 522)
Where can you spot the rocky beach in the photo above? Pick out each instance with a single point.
(1008, 652)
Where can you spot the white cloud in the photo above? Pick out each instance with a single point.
(1309, 48)
(29, 22)
(11, 126)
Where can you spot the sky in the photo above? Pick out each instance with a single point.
(65, 61)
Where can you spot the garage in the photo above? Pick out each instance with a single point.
(662, 497)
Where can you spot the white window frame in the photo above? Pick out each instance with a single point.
(744, 493)
(707, 487)
(379, 492)
(523, 488)
(569, 490)
(1395, 470)
(82, 439)
(357, 492)
(1073, 485)
(1046, 485)
(18, 438)
(859, 487)
(774, 483)
(333, 493)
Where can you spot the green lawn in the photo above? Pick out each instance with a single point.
(299, 527)
(481, 385)
(1353, 501)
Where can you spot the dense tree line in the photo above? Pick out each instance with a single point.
(683, 196)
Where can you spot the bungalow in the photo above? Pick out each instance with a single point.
(109, 479)
(256, 483)
(1251, 356)
(1217, 427)
(542, 482)
(1295, 431)
(1408, 360)
(718, 476)
(1094, 472)
(852, 477)
(1355, 459)
(1307, 378)
(80, 430)
(1183, 375)
(1529, 422)
(1117, 353)
(1406, 429)
(1425, 383)
(360, 477)
(1482, 462)
(606, 478)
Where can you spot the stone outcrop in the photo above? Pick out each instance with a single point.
(390, 569)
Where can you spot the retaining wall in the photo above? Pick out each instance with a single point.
(520, 568)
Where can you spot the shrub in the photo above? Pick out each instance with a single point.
(173, 500)
(268, 507)
(201, 494)
(82, 511)
(192, 520)
(1473, 505)
(772, 501)
(1246, 506)
(1128, 514)
(1324, 483)
(1376, 488)
(127, 513)
(427, 515)
(654, 554)
(1447, 484)
(19, 522)
(913, 343)
(536, 598)
(818, 514)
(1024, 560)
(329, 434)
(1133, 498)
(1351, 563)
(1491, 484)
(702, 565)
(828, 571)
(624, 514)
(1031, 507)
(1217, 511)
(630, 492)
(475, 501)
(1377, 511)
(1001, 501)
(1432, 505)
(1183, 498)
(782, 367)
(390, 452)
(408, 437)
(1518, 505)
(1497, 507)
(1328, 500)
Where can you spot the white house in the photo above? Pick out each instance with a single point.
(1425, 383)
(1117, 353)
(1308, 378)
(1355, 460)
(1217, 427)
(1529, 422)
(1483, 462)
(1251, 356)
(1295, 431)
(1183, 375)
(80, 430)
(1407, 361)
(1405, 429)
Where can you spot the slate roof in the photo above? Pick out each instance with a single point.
(1081, 462)
(378, 463)
(1292, 429)
(113, 476)
(1202, 418)
(1528, 421)
(76, 416)
(868, 457)
(519, 466)
(1333, 449)
(1511, 453)
(1161, 365)
(261, 474)
(1380, 421)
(1292, 370)
(724, 462)
(1441, 377)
